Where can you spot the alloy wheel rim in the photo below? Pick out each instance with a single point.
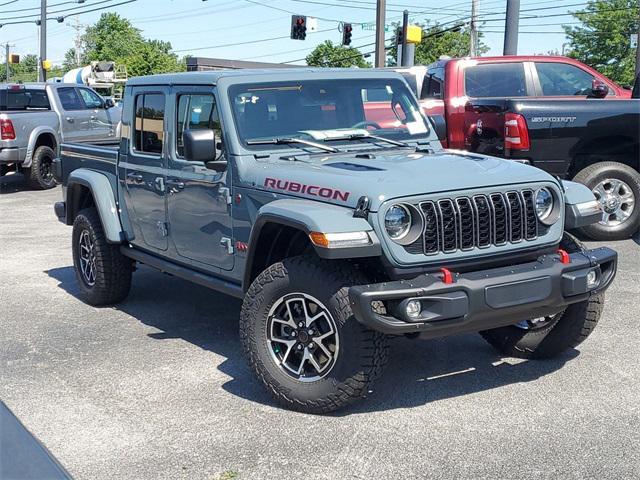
(87, 258)
(302, 337)
(617, 201)
(46, 172)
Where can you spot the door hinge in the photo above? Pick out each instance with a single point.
(226, 242)
(163, 229)
(227, 194)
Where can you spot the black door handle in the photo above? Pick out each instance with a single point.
(135, 177)
(177, 184)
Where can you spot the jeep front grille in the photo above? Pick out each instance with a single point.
(479, 221)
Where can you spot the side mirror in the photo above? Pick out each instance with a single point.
(599, 89)
(439, 126)
(200, 146)
(109, 103)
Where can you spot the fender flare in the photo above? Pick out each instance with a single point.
(33, 138)
(103, 198)
(578, 205)
(311, 216)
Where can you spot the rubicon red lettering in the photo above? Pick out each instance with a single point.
(313, 190)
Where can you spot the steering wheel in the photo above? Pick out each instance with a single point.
(366, 124)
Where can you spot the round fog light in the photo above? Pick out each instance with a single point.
(413, 308)
(592, 279)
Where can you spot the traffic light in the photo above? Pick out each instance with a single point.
(298, 27)
(399, 36)
(14, 58)
(347, 28)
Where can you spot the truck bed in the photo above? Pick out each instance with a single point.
(96, 156)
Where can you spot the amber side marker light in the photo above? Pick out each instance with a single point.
(340, 240)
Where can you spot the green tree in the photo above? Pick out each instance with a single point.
(153, 56)
(602, 41)
(438, 40)
(25, 71)
(329, 55)
(111, 38)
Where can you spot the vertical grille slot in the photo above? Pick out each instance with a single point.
(515, 208)
(430, 236)
(500, 220)
(531, 220)
(464, 223)
(467, 223)
(483, 218)
(449, 222)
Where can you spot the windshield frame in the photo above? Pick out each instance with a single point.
(399, 85)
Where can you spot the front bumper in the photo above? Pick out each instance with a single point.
(486, 299)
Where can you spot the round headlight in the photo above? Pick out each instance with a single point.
(544, 204)
(397, 222)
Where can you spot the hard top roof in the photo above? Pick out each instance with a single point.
(212, 76)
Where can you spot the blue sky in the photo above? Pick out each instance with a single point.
(216, 28)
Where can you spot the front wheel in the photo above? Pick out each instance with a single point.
(301, 339)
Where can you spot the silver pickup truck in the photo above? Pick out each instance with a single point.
(36, 117)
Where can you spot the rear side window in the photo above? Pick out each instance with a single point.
(560, 79)
(28, 99)
(70, 99)
(149, 123)
(433, 86)
(495, 80)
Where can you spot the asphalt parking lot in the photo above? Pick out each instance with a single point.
(157, 387)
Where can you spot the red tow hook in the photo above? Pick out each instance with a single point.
(447, 276)
(564, 256)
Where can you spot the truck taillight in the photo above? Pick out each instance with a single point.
(516, 133)
(6, 130)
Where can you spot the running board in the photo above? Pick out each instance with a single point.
(200, 278)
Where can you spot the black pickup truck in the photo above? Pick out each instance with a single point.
(552, 112)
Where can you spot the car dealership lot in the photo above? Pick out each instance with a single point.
(157, 387)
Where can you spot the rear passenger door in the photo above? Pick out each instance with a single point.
(142, 168)
(75, 121)
(101, 126)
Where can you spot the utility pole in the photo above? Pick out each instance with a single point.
(403, 47)
(381, 53)
(473, 50)
(42, 73)
(511, 25)
(7, 62)
(78, 39)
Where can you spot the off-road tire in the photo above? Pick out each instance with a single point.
(591, 176)
(568, 330)
(40, 174)
(363, 352)
(113, 270)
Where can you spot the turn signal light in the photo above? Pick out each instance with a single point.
(7, 131)
(340, 240)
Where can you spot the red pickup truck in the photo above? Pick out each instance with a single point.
(553, 112)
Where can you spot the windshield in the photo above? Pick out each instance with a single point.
(323, 110)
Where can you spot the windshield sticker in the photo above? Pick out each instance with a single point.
(416, 128)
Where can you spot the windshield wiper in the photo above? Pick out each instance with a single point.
(290, 140)
(360, 136)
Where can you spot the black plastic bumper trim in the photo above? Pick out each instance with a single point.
(485, 299)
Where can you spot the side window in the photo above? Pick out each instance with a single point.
(70, 99)
(433, 86)
(495, 80)
(559, 79)
(196, 112)
(149, 123)
(91, 99)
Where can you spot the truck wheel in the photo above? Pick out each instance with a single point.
(103, 273)
(301, 339)
(40, 174)
(617, 187)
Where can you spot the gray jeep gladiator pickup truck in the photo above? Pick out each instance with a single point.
(277, 187)
(36, 117)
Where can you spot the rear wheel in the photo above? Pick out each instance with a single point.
(103, 273)
(40, 174)
(617, 188)
(301, 339)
